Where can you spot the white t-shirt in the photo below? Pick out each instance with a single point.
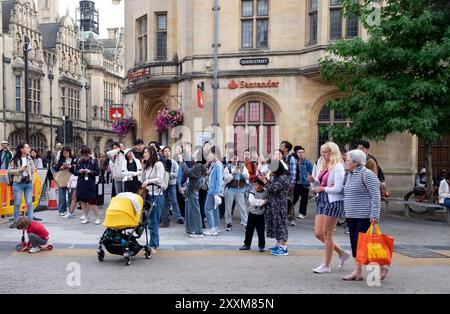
(24, 163)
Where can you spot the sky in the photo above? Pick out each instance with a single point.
(110, 15)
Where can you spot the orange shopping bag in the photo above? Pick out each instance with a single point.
(374, 248)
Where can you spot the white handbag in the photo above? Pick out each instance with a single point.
(72, 182)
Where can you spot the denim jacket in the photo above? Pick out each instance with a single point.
(216, 179)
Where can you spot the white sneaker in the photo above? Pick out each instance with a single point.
(322, 269)
(63, 213)
(34, 250)
(97, 221)
(211, 232)
(195, 235)
(82, 217)
(300, 216)
(292, 223)
(69, 216)
(343, 258)
(85, 221)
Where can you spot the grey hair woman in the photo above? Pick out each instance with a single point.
(361, 204)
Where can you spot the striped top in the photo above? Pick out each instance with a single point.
(362, 197)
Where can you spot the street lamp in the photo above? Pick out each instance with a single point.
(86, 87)
(50, 60)
(27, 48)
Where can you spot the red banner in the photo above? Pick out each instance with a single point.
(116, 113)
(200, 89)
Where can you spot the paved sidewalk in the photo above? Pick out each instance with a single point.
(70, 233)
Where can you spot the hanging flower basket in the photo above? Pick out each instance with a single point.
(124, 126)
(169, 119)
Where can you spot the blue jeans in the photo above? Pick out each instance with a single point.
(447, 202)
(212, 212)
(62, 202)
(155, 216)
(170, 198)
(193, 219)
(19, 189)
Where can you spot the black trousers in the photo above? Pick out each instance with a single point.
(255, 222)
(355, 226)
(181, 202)
(202, 199)
(302, 192)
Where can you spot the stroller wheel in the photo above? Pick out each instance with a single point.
(148, 253)
(101, 255)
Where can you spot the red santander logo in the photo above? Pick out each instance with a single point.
(233, 85)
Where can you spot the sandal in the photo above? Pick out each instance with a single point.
(352, 277)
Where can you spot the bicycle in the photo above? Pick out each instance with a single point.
(421, 195)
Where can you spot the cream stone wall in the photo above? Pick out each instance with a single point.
(293, 63)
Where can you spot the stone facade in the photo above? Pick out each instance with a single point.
(282, 95)
(64, 74)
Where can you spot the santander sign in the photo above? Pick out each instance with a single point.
(244, 84)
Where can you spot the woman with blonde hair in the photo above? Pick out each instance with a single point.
(329, 186)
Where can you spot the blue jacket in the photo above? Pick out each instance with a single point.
(306, 167)
(216, 179)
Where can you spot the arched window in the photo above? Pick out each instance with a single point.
(38, 142)
(14, 139)
(77, 143)
(326, 118)
(254, 128)
(108, 145)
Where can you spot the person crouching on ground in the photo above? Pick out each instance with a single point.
(37, 234)
(257, 199)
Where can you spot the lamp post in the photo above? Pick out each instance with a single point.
(86, 87)
(27, 48)
(215, 83)
(50, 61)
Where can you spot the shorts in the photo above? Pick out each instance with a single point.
(324, 207)
(92, 202)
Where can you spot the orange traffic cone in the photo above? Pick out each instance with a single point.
(52, 203)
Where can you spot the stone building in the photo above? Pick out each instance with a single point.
(270, 86)
(66, 68)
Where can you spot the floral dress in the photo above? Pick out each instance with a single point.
(277, 208)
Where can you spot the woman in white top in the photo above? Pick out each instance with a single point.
(329, 186)
(444, 191)
(37, 160)
(132, 172)
(153, 176)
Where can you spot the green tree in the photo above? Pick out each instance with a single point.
(398, 80)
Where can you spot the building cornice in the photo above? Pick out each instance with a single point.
(255, 53)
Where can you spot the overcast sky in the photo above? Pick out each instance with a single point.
(110, 15)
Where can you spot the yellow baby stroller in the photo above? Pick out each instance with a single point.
(125, 224)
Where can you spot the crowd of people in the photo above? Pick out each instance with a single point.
(199, 186)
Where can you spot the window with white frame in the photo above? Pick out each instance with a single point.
(141, 40)
(161, 36)
(108, 99)
(34, 90)
(340, 25)
(254, 23)
(38, 142)
(18, 93)
(313, 21)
